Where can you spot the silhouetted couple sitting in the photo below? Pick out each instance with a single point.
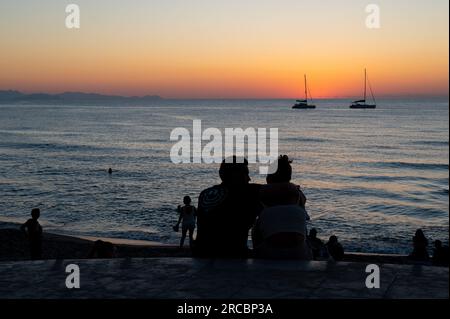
(276, 211)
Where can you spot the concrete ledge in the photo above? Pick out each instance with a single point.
(203, 278)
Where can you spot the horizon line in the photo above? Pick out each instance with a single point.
(118, 95)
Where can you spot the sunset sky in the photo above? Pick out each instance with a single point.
(225, 49)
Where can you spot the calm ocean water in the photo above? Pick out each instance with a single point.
(371, 176)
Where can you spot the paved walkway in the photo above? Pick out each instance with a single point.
(193, 278)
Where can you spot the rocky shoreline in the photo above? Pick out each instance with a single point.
(14, 247)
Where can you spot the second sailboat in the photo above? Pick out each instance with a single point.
(303, 104)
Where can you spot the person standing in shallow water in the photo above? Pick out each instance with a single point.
(33, 230)
(187, 221)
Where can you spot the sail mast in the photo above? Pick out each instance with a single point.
(306, 91)
(365, 84)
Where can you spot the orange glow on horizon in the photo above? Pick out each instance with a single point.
(211, 50)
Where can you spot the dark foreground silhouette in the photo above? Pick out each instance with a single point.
(335, 249)
(102, 249)
(14, 247)
(227, 212)
(33, 231)
(317, 246)
(187, 216)
(420, 246)
(440, 254)
(280, 231)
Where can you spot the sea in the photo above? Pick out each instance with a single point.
(371, 177)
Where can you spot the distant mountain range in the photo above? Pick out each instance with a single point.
(16, 97)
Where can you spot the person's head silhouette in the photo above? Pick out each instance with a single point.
(333, 240)
(283, 173)
(420, 235)
(35, 213)
(102, 249)
(187, 200)
(234, 171)
(313, 233)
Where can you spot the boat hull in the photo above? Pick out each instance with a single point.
(363, 106)
(303, 107)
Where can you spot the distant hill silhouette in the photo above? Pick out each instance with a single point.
(16, 97)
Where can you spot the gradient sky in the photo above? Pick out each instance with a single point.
(225, 48)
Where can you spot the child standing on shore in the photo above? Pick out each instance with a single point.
(187, 217)
(33, 230)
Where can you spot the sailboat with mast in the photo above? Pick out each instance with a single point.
(303, 104)
(362, 104)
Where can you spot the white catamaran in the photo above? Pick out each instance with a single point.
(303, 104)
(361, 104)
